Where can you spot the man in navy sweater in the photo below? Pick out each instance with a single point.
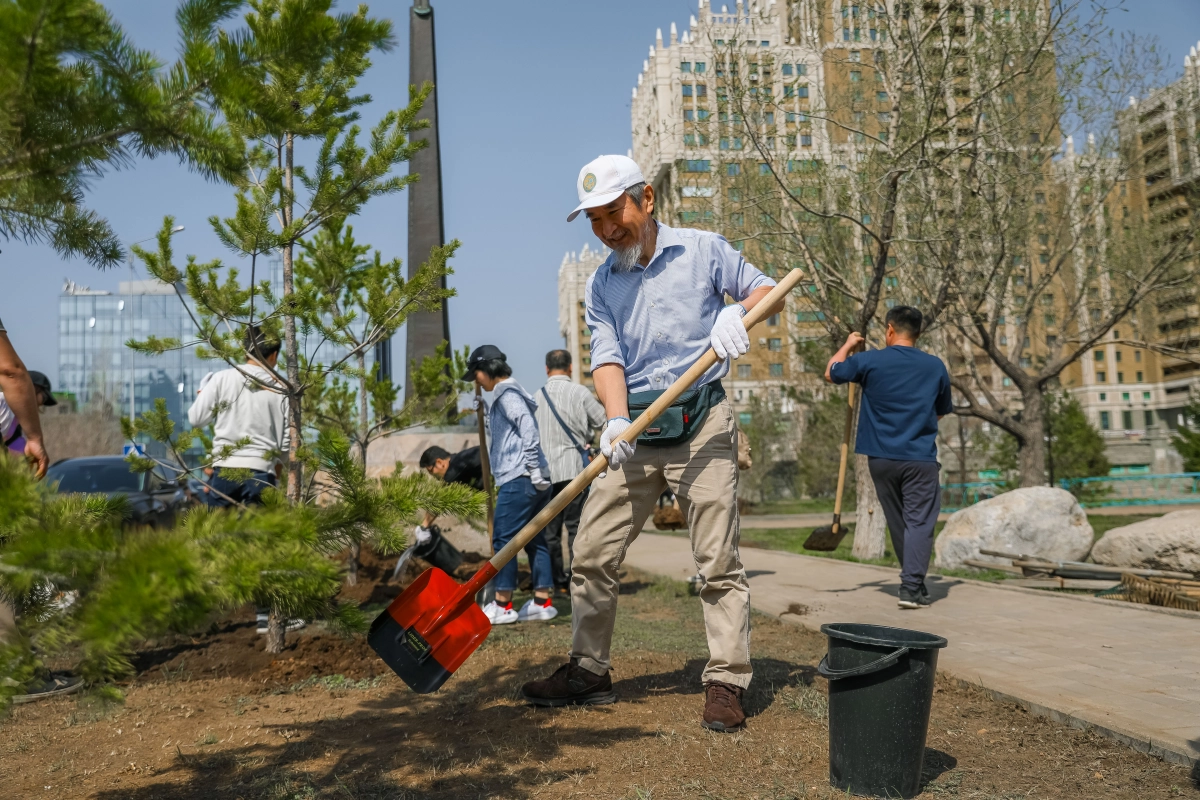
(904, 393)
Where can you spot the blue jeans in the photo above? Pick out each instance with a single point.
(517, 502)
(249, 492)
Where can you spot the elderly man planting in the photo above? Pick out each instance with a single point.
(654, 307)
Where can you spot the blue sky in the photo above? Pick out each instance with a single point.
(528, 93)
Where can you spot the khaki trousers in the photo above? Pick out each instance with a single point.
(703, 474)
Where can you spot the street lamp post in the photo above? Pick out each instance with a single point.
(129, 304)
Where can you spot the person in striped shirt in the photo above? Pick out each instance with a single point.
(655, 307)
(567, 415)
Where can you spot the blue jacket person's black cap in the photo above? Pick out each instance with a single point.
(481, 354)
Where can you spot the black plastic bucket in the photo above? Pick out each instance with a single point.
(439, 552)
(880, 692)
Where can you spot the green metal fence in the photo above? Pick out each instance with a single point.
(1174, 488)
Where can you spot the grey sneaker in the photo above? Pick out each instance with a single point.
(57, 684)
(910, 599)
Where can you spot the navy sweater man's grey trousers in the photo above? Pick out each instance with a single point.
(911, 496)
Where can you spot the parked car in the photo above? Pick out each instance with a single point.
(154, 499)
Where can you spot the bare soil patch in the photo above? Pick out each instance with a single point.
(214, 716)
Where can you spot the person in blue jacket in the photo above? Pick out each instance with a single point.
(905, 391)
(522, 479)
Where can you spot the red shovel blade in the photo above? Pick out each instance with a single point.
(430, 630)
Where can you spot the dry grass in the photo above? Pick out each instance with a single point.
(370, 737)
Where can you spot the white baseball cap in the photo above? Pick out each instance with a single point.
(602, 181)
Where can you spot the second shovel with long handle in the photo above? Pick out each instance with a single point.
(827, 537)
(430, 630)
(485, 463)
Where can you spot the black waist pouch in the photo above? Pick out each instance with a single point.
(681, 420)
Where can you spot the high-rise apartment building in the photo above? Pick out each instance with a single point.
(796, 79)
(1134, 395)
(573, 276)
(1162, 136)
(688, 153)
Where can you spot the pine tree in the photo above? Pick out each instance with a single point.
(1186, 440)
(77, 97)
(356, 301)
(304, 63)
(1076, 448)
(128, 585)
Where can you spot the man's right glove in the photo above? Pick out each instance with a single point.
(729, 336)
(423, 535)
(616, 452)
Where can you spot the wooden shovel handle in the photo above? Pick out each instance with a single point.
(600, 464)
(845, 456)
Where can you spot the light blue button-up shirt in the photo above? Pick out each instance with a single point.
(655, 321)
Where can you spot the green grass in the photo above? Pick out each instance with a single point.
(817, 505)
(650, 617)
(1102, 524)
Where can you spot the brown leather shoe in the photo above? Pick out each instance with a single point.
(723, 707)
(570, 685)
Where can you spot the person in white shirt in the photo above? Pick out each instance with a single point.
(567, 415)
(248, 411)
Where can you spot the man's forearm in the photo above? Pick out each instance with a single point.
(756, 297)
(18, 390)
(838, 357)
(609, 380)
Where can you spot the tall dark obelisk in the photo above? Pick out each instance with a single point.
(426, 329)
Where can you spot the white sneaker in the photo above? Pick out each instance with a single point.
(499, 615)
(534, 612)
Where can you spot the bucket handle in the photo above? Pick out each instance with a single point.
(866, 669)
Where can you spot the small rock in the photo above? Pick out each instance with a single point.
(1171, 542)
(1040, 521)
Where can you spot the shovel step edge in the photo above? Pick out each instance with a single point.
(387, 638)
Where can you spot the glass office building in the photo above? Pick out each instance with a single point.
(95, 365)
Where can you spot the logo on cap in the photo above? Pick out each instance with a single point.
(589, 182)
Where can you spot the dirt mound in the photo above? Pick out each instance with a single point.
(232, 648)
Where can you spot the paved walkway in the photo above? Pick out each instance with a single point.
(1130, 672)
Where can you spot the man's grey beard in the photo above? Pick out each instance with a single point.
(628, 257)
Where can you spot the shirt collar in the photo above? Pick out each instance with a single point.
(666, 238)
(557, 378)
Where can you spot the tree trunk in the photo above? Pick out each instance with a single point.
(276, 628)
(354, 558)
(1031, 453)
(869, 536)
(352, 561)
(290, 344)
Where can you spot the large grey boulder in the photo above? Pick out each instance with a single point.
(1171, 541)
(1040, 521)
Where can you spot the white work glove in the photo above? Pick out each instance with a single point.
(539, 482)
(616, 452)
(423, 535)
(477, 403)
(729, 337)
